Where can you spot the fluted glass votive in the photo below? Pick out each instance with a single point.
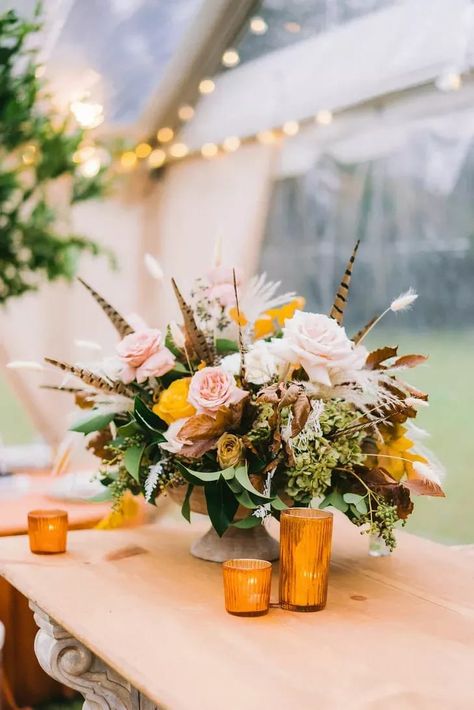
(47, 531)
(247, 586)
(305, 551)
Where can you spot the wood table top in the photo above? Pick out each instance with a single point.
(397, 633)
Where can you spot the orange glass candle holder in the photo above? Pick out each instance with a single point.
(47, 531)
(305, 550)
(247, 586)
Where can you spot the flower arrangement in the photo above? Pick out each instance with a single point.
(259, 404)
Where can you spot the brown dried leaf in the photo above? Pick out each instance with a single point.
(199, 448)
(204, 426)
(410, 360)
(424, 487)
(375, 358)
(301, 410)
(415, 392)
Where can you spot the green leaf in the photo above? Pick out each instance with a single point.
(132, 459)
(357, 501)
(242, 477)
(95, 421)
(198, 478)
(185, 508)
(336, 500)
(182, 369)
(129, 429)
(251, 522)
(278, 504)
(245, 498)
(221, 505)
(148, 419)
(225, 346)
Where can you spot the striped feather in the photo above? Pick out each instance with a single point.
(196, 338)
(241, 339)
(361, 333)
(339, 305)
(89, 378)
(119, 323)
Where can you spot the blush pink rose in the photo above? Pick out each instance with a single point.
(221, 288)
(212, 388)
(144, 355)
(173, 443)
(320, 345)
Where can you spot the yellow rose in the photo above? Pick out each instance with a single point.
(173, 402)
(229, 450)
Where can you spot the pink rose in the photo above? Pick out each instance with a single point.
(319, 345)
(221, 288)
(144, 355)
(212, 388)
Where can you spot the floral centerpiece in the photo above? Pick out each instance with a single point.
(251, 405)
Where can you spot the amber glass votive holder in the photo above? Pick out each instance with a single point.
(305, 551)
(47, 530)
(247, 586)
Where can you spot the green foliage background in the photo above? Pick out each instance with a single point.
(36, 149)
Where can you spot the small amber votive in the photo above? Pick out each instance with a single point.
(47, 530)
(305, 551)
(247, 586)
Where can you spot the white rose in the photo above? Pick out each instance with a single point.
(260, 363)
(173, 444)
(319, 345)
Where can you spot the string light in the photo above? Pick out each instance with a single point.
(165, 135)
(290, 128)
(185, 112)
(293, 27)
(39, 71)
(230, 58)
(178, 150)
(128, 160)
(143, 150)
(258, 25)
(450, 80)
(206, 86)
(87, 114)
(231, 144)
(266, 137)
(85, 152)
(209, 150)
(324, 117)
(90, 167)
(156, 158)
(29, 155)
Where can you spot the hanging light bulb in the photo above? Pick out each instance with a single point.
(143, 150)
(206, 86)
(230, 58)
(266, 137)
(231, 144)
(90, 167)
(156, 158)
(290, 128)
(178, 150)
(209, 150)
(324, 117)
(29, 155)
(293, 27)
(258, 25)
(165, 134)
(87, 114)
(128, 160)
(185, 112)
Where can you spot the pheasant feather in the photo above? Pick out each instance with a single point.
(361, 333)
(197, 340)
(120, 324)
(89, 378)
(339, 305)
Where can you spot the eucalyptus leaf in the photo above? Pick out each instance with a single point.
(132, 460)
(352, 498)
(95, 421)
(336, 500)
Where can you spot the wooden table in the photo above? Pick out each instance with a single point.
(131, 620)
(28, 683)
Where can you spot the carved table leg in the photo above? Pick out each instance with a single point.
(67, 660)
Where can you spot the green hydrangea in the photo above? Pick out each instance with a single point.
(316, 455)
